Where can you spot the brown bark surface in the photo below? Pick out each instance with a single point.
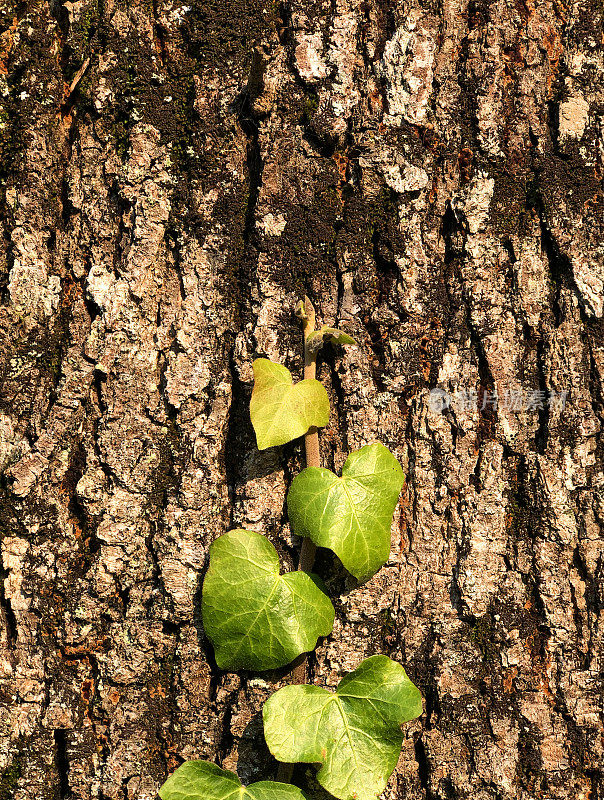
(429, 172)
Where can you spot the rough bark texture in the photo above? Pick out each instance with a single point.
(430, 174)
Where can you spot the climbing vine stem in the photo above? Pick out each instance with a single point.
(306, 314)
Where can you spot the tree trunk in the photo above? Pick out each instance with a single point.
(174, 177)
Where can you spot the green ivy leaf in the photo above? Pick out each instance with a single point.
(351, 515)
(317, 338)
(200, 780)
(337, 336)
(256, 618)
(282, 411)
(355, 733)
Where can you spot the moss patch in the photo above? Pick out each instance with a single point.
(483, 635)
(9, 779)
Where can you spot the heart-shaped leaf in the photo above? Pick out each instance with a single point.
(355, 733)
(351, 515)
(256, 618)
(200, 780)
(282, 411)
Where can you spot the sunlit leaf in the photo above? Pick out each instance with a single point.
(281, 410)
(350, 515)
(317, 338)
(200, 780)
(354, 734)
(256, 618)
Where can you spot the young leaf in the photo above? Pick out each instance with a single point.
(200, 780)
(317, 338)
(355, 733)
(256, 618)
(351, 515)
(282, 411)
(337, 336)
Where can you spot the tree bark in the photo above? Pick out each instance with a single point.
(430, 175)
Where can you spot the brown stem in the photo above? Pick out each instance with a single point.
(311, 443)
(313, 459)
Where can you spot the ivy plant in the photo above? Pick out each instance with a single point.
(259, 619)
(201, 780)
(351, 515)
(256, 618)
(354, 733)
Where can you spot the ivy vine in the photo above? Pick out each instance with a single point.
(258, 619)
